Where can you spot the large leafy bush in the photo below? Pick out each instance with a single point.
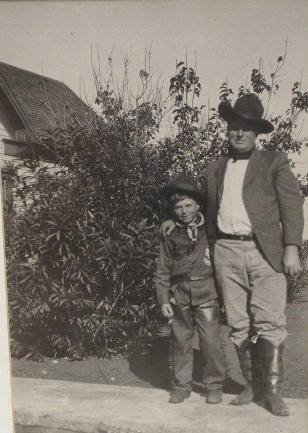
(83, 239)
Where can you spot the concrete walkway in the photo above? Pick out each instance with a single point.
(48, 406)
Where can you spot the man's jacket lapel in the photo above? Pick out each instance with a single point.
(252, 168)
(220, 175)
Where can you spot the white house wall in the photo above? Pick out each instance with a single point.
(4, 134)
(8, 154)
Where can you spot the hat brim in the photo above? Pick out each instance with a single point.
(227, 112)
(168, 190)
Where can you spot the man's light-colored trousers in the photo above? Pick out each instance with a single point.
(254, 294)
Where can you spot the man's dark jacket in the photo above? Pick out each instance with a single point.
(272, 200)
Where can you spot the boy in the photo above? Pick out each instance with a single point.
(186, 293)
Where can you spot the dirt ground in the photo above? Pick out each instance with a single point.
(151, 369)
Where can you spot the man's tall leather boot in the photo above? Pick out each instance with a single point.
(273, 376)
(244, 356)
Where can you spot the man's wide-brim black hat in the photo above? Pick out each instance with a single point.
(248, 110)
(185, 185)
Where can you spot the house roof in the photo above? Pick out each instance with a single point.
(38, 100)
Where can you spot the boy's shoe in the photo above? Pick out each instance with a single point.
(214, 396)
(178, 395)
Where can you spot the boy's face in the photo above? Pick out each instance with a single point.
(185, 210)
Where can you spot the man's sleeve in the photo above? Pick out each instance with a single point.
(162, 274)
(290, 203)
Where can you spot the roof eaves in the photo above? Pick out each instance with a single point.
(16, 105)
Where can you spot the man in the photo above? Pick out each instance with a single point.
(254, 221)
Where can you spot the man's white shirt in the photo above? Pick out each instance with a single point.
(232, 215)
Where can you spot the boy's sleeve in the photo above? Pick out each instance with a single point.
(162, 275)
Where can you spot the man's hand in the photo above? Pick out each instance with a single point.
(167, 227)
(291, 262)
(167, 311)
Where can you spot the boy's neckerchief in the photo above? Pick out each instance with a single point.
(192, 228)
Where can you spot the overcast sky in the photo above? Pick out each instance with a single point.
(228, 36)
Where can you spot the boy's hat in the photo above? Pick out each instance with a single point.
(247, 109)
(183, 184)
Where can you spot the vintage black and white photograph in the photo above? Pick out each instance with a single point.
(154, 175)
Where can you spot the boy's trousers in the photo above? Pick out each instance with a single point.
(205, 318)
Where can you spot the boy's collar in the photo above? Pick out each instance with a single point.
(192, 227)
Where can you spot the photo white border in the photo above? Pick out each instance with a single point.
(6, 417)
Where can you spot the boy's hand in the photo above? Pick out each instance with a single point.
(167, 311)
(167, 227)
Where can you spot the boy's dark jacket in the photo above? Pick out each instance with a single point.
(181, 271)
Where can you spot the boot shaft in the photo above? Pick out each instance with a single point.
(272, 360)
(245, 361)
(273, 376)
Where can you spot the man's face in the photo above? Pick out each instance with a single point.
(241, 137)
(186, 210)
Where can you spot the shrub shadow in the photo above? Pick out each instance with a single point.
(153, 366)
